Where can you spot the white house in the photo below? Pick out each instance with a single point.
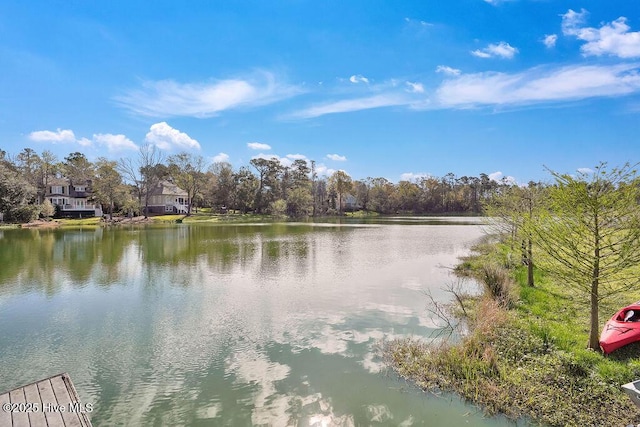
(72, 200)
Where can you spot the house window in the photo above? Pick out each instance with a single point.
(80, 204)
(80, 188)
(57, 189)
(168, 208)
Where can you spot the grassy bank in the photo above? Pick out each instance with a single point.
(529, 360)
(208, 217)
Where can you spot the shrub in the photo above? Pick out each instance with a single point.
(498, 284)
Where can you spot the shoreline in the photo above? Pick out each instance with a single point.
(522, 362)
(197, 218)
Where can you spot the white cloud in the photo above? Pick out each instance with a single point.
(165, 137)
(358, 79)
(168, 98)
(499, 177)
(322, 170)
(418, 22)
(480, 54)
(296, 156)
(447, 70)
(284, 161)
(502, 50)
(411, 176)
(59, 135)
(115, 142)
(415, 87)
(266, 156)
(348, 105)
(572, 21)
(550, 40)
(538, 85)
(84, 142)
(612, 38)
(220, 158)
(585, 171)
(258, 146)
(336, 157)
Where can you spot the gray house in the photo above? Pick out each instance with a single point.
(166, 198)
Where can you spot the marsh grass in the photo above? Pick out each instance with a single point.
(527, 358)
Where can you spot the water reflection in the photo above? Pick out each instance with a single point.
(234, 324)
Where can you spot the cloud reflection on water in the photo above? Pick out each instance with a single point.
(184, 323)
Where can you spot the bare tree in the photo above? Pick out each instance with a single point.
(187, 171)
(143, 173)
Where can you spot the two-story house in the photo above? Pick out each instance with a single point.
(72, 200)
(166, 198)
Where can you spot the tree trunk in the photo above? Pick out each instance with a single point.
(594, 341)
(594, 338)
(530, 262)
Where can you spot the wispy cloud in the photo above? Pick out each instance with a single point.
(415, 87)
(572, 22)
(496, 2)
(550, 40)
(165, 137)
(358, 79)
(355, 104)
(443, 69)
(115, 143)
(258, 146)
(538, 85)
(296, 156)
(168, 98)
(418, 22)
(336, 157)
(613, 38)
(501, 50)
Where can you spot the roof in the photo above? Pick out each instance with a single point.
(167, 188)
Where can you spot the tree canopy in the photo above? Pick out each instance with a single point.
(589, 235)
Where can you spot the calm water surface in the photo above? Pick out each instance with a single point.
(241, 324)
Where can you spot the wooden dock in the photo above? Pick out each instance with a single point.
(52, 402)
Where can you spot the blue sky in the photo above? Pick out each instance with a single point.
(396, 89)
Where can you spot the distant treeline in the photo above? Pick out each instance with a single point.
(264, 186)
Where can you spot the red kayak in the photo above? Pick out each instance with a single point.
(622, 329)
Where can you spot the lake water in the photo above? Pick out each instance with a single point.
(239, 324)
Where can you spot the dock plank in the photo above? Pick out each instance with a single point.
(71, 419)
(5, 417)
(56, 400)
(19, 419)
(54, 419)
(32, 395)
